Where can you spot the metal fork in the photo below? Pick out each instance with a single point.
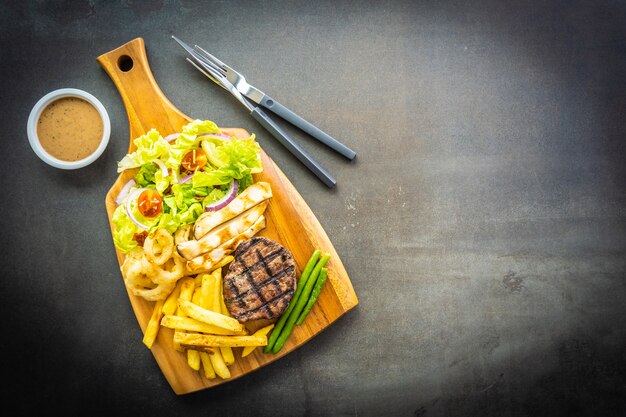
(259, 115)
(259, 97)
(235, 78)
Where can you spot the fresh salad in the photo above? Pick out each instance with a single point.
(179, 177)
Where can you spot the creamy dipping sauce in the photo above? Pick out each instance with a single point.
(70, 129)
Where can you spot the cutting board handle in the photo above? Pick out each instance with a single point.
(129, 69)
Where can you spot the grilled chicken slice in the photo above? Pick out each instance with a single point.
(205, 262)
(250, 197)
(222, 233)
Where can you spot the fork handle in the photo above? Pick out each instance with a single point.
(293, 147)
(273, 105)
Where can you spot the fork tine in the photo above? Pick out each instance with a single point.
(208, 74)
(207, 67)
(183, 44)
(207, 62)
(196, 55)
(220, 79)
(211, 57)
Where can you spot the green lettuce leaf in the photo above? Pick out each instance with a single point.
(161, 182)
(149, 146)
(145, 175)
(125, 229)
(215, 195)
(186, 203)
(238, 159)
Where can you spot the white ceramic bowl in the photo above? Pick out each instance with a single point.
(36, 113)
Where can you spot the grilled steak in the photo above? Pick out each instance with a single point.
(260, 281)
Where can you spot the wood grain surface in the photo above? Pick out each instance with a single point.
(289, 221)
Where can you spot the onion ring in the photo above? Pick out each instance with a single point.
(132, 267)
(135, 278)
(160, 292)
(148, 280)
(159, 247)
(170, 272)
(134, 274)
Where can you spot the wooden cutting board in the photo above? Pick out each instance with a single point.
(289, 221)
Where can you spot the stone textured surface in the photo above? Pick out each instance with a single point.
(483, 222)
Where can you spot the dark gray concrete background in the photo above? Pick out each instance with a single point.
(482, 224)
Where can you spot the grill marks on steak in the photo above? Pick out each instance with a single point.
(260, 281)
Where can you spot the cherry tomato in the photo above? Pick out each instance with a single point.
(149, 203)
(194, 160)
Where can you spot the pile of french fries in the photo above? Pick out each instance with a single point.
(203, 328)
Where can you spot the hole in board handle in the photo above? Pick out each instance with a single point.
(125, 63)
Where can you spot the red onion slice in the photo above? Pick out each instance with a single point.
(130, 199)
(124, 191)
(172, 137)
(185, 179)
(214, 135)
(228, 197)
(161, 165)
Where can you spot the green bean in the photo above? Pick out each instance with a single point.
(301, 283)
(319, 283)
(304, 297)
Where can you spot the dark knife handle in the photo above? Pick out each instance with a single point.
(293, 147)
(271, 104)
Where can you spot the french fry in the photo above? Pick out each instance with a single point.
(209, 372)
(219, 365)
(202, 282)
(222, 303)
(186, 292)
(193, 356)
(195, 298)
(218, 300)
(261, 332)
(203, 341)
(228, 355)
(205, 290)
(223, 308)
(210, 285)
(152, 329)
(171, 302)
(210, 317)
(192, 325)
(193, 359)
(198, 279)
